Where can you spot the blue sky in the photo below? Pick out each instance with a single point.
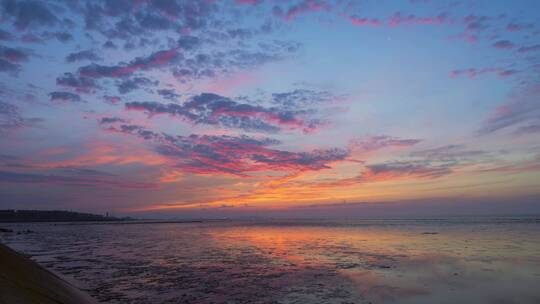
(245, 107)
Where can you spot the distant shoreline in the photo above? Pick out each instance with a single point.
(122, 222)
(29, 216)
(134, 222)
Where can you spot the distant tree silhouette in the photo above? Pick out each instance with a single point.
(51, 216)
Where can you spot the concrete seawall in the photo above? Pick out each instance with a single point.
(23, 281)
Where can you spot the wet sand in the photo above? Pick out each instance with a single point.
(25, 282)
(446, 261)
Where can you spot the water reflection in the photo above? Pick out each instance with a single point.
(463, 263)
(246, 262)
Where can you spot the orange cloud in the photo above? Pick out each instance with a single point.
(98, 153)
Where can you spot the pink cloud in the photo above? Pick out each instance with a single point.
(213, 109)
(374, 143)
(398, 19)
(155, 60)
(516, 27)
(113, 100)
(473, 72)
(522, 108)
(232, 155)
(531, 48)
(70, 180)
(306, 6)
(249, 2)
(503, 45)
(364, 21)
(470, 38)
(516, 166)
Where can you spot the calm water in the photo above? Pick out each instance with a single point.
(483, 260)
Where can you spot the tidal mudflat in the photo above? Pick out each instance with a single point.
(455, 260)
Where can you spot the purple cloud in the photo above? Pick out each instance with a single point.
(168, 94)
(305, 6)
(155, 60)
(236, 155)
(28, 13)
(523, 108)
(112, 100)
(374, 143)
(79, 84)
(449, 154)
(10, 117)
(6, 66)
(476, 23)
(6, 36)
(531, 48)
(474, 72)
(516, 27)
(404, 169)
(111, 120)
(83, 55)
(60, 36)
(212, 109)
(13, 55)
(503, 44)
(398, 19)
(530, 129)
(358, 21)
(64, 97)
(10, 58)
(69, 180)
(135, 83)
(303, 98)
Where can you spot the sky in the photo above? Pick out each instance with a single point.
(270, 107)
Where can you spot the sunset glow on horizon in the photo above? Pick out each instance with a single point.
(267, 107)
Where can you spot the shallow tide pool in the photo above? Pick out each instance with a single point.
(485, 260)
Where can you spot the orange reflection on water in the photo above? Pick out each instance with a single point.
(403, 264)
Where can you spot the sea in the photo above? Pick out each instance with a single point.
(427, 260)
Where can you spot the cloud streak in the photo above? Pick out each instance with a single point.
(74, 181)
(473, 72)
(11, 58)
(83, 55)
(64, 97)
(213, 109)
(28, 13)
(374, 143)
(77, 83)
(153, 61)
(523, 108)
(10, 118)
(235, 155)
(303, 7)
